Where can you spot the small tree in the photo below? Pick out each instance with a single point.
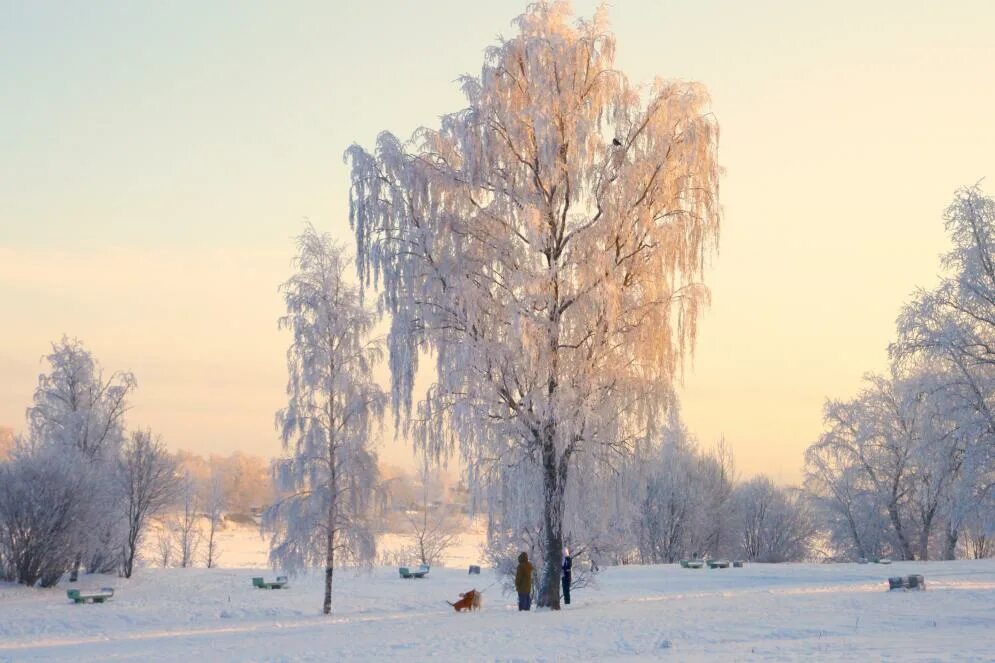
(165, 545)
(215, 505)
(148, 482)
(434, 527)
(185, 532)
(330, 474)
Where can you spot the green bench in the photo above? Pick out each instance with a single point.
(691, 563)
(91, 595)
(420, 572)
(279, 583)
(718, 563)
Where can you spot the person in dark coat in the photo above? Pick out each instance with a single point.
(523, 582)
(567, 568)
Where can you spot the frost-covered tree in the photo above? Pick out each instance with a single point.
(76, 407)
(876, 434)
(855, 524)
(775, 524)
(671, 496)
(46, 503)
(546, 243)
(917, 448)
(148, 483)
(80, 413)
(330, 474)
(954, 325)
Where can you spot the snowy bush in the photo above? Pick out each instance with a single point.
(46, 504)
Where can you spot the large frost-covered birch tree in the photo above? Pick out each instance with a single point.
(330, 473)
(546, 243)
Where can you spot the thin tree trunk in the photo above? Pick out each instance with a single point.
(905, 549)
(74, 574)
(950, 547)
(332, 517)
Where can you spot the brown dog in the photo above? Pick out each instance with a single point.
(468, 601)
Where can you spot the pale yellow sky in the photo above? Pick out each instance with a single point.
(155, 162)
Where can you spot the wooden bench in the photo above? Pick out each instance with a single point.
(279, 583)
(420, 572)
(91, 595)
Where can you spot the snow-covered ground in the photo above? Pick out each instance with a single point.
(761, 612)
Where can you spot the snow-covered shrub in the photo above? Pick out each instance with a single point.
(47, 501)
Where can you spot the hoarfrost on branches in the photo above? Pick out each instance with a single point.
(547, 244)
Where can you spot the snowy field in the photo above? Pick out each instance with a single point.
(762, 612)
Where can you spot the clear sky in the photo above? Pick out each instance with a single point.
(157, 158)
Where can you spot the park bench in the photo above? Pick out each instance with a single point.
(718, 563)
(420, 572)
(914, 581)
(279, 583)
(737, 564)
(91, 595)
(692, 563)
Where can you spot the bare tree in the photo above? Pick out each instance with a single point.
(148, 483)
(185, 532)
(434, 527)
(165, 545)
